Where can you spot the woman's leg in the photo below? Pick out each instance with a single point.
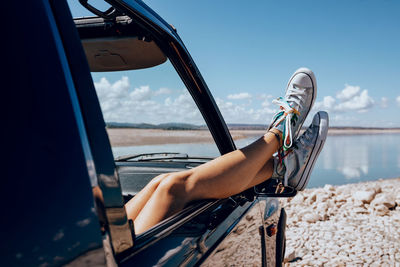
(233, 172)
(222, 177)
(136, 204)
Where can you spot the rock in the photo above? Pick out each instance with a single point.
(397, 198)
(360, 210)
(311, 217)
(322, 207)
(303, 212)
(249, 217)
(386, 199)
(341, 198)
(330, 203)
(381, 210)
(358, 203)
(290, 255)
(322, 197)
(240, 229)
(329, 187)
(364, 196)
(298, 199)
(311, 198)
(377, 189)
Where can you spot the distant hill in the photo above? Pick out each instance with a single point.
(243, 126)
(178, 126)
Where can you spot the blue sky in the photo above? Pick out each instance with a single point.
(247, 50)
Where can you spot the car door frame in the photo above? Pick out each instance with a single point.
(224, 213)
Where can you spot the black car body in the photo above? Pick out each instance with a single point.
(64, 204)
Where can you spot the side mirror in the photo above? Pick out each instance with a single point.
(274, 188)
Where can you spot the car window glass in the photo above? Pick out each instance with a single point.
(149, 111)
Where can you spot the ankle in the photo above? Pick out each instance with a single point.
(277, 134)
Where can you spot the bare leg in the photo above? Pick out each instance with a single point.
(222, 177)
(136, 204)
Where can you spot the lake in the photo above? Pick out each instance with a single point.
(344, 158)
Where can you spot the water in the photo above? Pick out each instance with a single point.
(344, 159)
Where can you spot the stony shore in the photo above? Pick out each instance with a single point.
(347, 225)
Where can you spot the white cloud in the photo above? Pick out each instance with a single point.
(327, 103)
(265, 96)
(141, 93)
(240, 96)
(360, 102)
(266, 103)
(351, 98)
(122, 103)
(398, 100)
(163, 91)
(348, 92)
(242, 113)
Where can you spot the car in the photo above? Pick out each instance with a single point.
(63, 190)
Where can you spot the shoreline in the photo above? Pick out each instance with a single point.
(122, 137)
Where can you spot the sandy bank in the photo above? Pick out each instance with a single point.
(140, 137)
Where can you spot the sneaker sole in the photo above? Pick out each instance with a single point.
(319, 144)
(311, 75)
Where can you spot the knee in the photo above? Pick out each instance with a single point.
(175, 185)
(157, 180)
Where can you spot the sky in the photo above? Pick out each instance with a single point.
(247, 51)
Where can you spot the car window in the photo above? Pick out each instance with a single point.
(146, 110)
(149, 111)
(152, 122)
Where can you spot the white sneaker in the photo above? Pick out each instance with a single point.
(300, 95)
(299, 161)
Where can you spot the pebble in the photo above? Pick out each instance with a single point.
(297, 200)
(311, 217)
(364, 196)
(387, 199)
(290, 255)
(348, 225)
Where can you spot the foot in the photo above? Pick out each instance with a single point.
(301, 92)
(299, 161)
